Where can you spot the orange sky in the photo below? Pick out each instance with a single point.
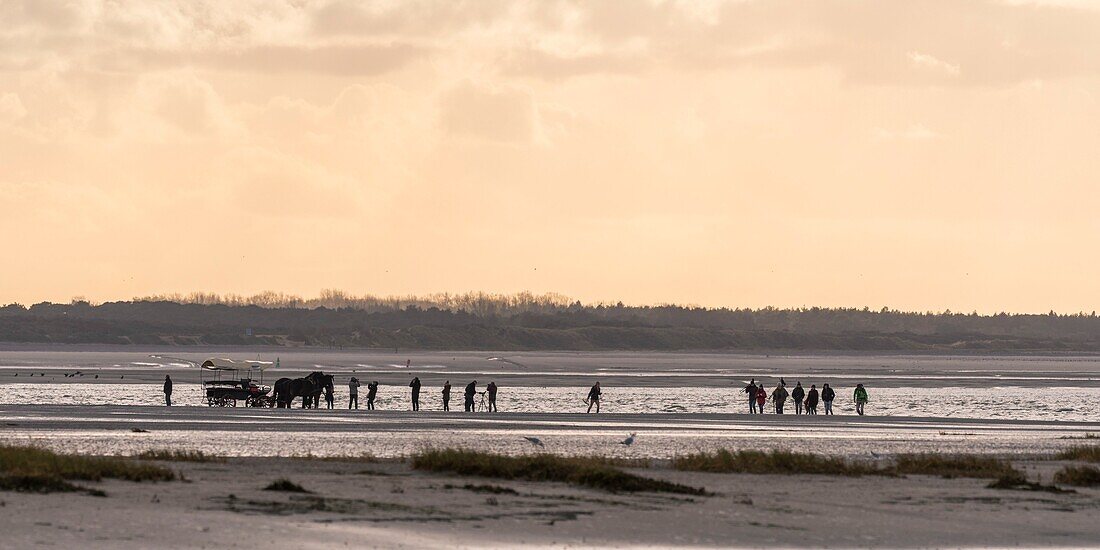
(919, 155)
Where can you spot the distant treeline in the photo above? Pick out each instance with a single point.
(527, 321)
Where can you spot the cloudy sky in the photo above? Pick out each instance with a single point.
(919, 155)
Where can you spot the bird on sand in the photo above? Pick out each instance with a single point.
(628, 441)
(534, 441)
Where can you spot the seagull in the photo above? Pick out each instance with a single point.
(873, 454)
(534, 441)
(628, 441)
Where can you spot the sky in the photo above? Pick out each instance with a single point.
(922, 155)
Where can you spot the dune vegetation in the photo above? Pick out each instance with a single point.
(771, 462)
(176, 455)
(1080, 476)
(582, 471)
(33, 469)
(1084, 453)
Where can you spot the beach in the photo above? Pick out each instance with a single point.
(388, 505)
(99, 401)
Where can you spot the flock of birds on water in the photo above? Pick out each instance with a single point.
(72, 375)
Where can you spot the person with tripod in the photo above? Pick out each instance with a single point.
(471, 389)
(492, 391)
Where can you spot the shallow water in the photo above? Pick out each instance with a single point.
(88, 399)
(1007, 402)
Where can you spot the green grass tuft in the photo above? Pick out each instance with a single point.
(170, 455)
(286, 486)
(587, 472)
(1085, 453)
(954, 466)
(1080, 476)
(771, 462)
(23, 461)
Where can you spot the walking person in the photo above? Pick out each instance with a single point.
(860, 397)
(761, 397)
(811, 400)
(447, 396)
(594, 397)
(372, 392)
(471, 389)
(492, 390)
(167, 390)
(353, 393)
(798, 394)
(415, 385)
(827, 397)
(751, 391)
(779, 396)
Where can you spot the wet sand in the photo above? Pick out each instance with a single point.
(388, 505)
(295, 432)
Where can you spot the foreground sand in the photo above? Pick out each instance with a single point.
(387, 504)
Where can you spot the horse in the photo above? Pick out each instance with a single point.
(286, 389)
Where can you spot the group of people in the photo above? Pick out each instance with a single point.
(803, 400)
(469, 406)
(758, 396)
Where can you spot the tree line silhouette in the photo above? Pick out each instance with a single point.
(530, 321)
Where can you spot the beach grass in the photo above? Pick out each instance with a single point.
(286, 486)
(772, 462)
(582, 471)
(37, 470)
(954, 465)
(1079, 476)
(1085, 453)
(36, 461)
(175, 455)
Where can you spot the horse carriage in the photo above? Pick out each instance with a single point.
(227, 382)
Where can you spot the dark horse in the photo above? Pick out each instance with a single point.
(286, 389)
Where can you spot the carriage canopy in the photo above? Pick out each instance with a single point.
(219, 363)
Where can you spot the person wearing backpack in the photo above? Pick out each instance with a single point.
(798, 394)
(751, 391)
(860, 397)
(779, 396)
(811, 400)
(827, 397)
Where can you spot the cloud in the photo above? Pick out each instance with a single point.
(925, 61)
(503, 115)
(915, 132)
(552, 66)
(11, 107)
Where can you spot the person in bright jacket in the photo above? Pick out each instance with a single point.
(811, 400)
(860, 397)
(798, 394)
(779, 396)
(751, 391)
(761, 397)
(827, 397)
